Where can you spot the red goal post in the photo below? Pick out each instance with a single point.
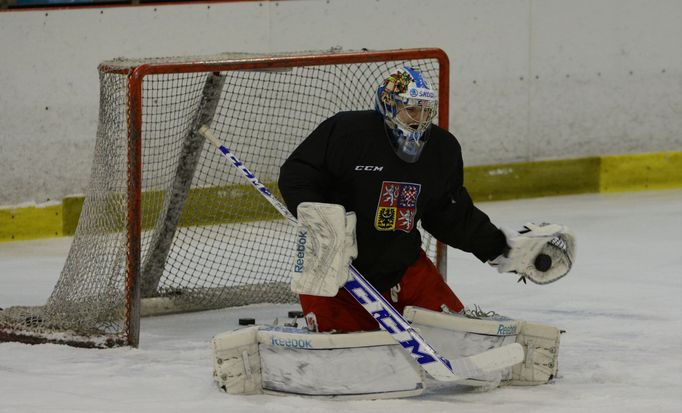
(165, 226)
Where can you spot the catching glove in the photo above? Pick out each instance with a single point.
(542, 253)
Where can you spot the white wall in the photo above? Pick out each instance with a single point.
(531, 79)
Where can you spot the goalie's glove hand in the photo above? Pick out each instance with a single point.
(542, 253)
(325, 246)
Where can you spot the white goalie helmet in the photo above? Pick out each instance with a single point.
(408, 105)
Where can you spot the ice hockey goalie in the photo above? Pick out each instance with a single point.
(359, 184)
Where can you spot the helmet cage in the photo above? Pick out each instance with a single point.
(408, 106)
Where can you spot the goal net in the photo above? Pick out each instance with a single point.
(167, 225)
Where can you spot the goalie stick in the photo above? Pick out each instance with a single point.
(389, 319)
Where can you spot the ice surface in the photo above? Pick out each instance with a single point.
(621, 307)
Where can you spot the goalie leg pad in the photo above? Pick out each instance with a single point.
(454, 335)
(541, 345)
(292, 361)
(236, 361)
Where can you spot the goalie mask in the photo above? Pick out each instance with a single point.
(408, 105)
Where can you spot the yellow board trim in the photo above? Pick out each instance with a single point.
(610, 173)
(641, 172)
(34, 222)
(532, 179)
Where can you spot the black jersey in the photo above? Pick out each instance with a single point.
(348, 160)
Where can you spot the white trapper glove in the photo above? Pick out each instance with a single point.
(325, 246)
(542, 253)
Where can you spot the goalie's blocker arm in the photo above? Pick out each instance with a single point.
(325, 246)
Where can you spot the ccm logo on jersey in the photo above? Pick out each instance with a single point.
(370, 168)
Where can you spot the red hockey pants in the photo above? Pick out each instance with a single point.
(421, 286)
